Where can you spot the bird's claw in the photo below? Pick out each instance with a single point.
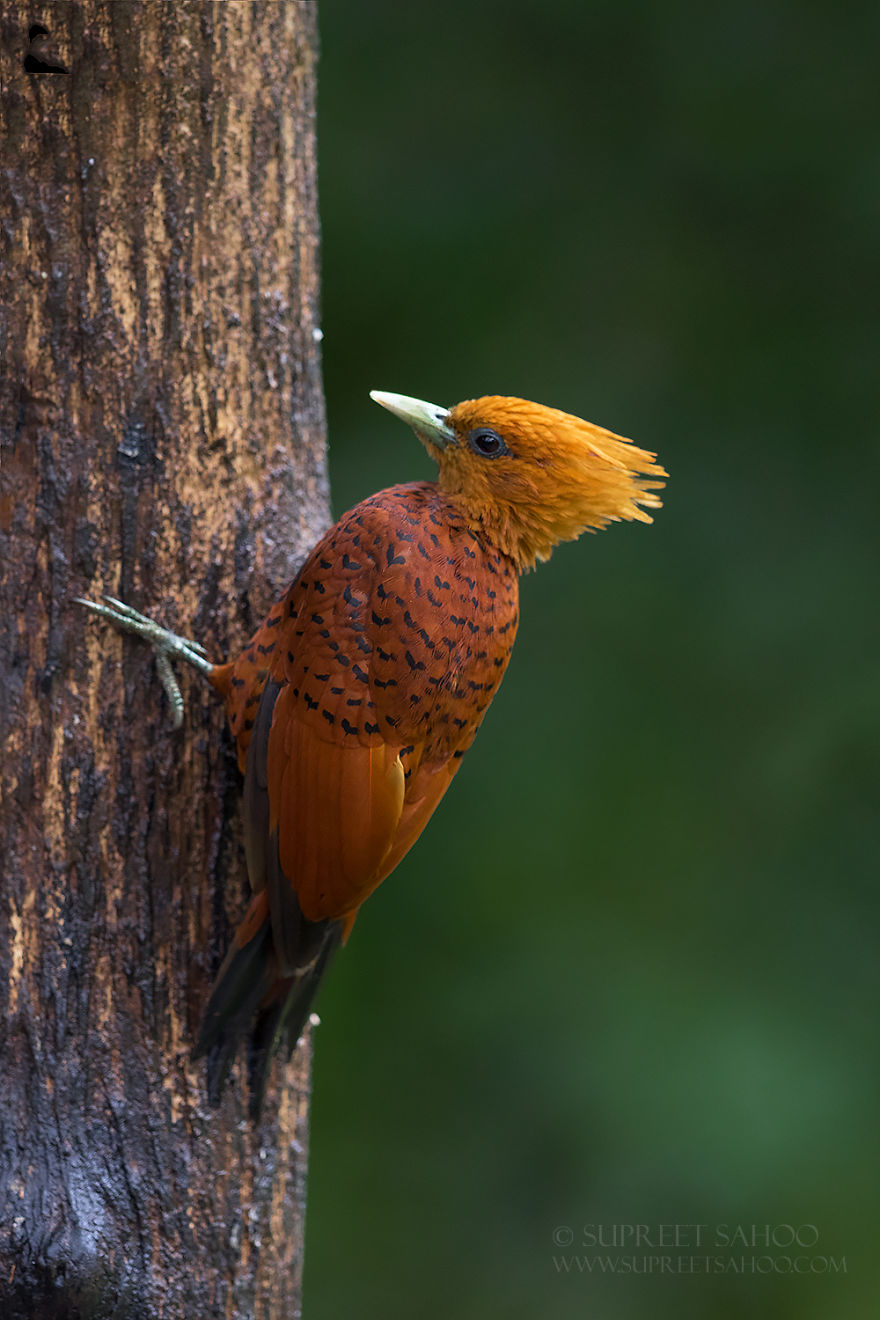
(164, 643)
(131, 620)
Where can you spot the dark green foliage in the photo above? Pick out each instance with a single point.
(630, 974)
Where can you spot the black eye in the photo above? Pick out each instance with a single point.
(486, 443)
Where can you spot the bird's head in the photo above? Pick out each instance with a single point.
(528, 475)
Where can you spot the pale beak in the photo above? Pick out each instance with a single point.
(427, 420)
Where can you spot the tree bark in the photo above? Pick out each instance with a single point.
(163, 440)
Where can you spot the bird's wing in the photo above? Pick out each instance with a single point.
(334, 808)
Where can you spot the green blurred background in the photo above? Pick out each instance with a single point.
(629, 974)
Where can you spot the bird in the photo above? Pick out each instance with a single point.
(356, 699)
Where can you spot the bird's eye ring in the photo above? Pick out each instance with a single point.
(487, 443)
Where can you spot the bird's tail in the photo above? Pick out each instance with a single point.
(278, 1029)
(248, 987)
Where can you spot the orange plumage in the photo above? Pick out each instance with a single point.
(355, 701)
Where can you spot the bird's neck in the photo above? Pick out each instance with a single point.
(519, 534)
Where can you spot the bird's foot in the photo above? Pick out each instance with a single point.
(165, 644)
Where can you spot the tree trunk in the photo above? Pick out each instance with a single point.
(162, 440)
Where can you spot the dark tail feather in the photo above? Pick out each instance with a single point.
(242, 983)
(284, 1023)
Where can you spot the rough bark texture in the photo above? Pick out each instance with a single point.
(162, 439)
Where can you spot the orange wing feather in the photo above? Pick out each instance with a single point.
(337, 811)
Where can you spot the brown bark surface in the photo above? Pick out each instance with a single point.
(162, 439)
